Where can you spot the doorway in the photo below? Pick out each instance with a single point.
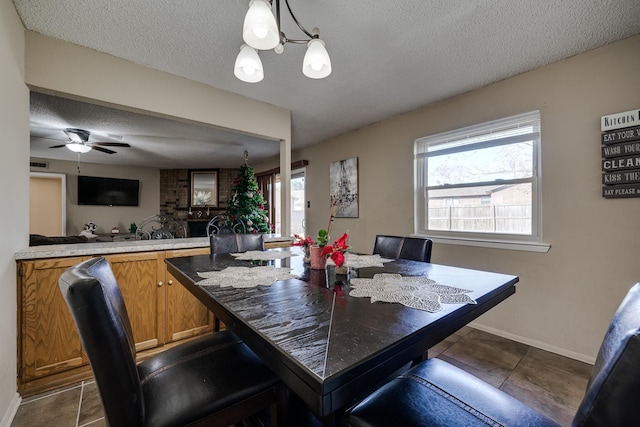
(47, 204)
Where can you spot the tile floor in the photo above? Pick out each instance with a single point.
(550, 383)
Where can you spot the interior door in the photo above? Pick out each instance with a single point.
(47, 204)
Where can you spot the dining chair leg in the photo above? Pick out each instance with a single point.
(422, 358)
(278, 410)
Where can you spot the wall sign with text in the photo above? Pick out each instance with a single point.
(621, 155)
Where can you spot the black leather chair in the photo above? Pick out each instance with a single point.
(232, 243)
(435, 393)
(397, 247)
(214, 380)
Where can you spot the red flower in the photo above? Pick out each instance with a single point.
(298, 240)
(341, 243)
(337, 250)
(338, 258)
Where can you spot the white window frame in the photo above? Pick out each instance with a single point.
(529, 242)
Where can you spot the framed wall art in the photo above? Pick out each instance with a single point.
(343, 186)
(203, 190)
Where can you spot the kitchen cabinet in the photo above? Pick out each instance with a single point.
(160, 310)
(186, 316)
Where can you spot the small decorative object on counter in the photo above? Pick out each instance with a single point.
(89, 230)
(133, 227)
(115, 230)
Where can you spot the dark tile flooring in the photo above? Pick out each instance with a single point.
(547, 382)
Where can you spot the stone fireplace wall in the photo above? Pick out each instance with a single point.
(174, 196)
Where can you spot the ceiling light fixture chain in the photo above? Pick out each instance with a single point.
(262, 31)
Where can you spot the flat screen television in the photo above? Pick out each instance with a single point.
(93, 190)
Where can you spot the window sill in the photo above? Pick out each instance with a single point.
(495, 244)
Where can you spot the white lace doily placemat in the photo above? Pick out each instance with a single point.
(263, 255)
(245, 277)
(362, 261)
(415, 292)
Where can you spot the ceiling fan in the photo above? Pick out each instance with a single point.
(79, 142)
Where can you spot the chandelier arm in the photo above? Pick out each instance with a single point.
(296, 21)
(296, 41)
(278, 18)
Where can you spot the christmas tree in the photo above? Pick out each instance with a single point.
(247, 202)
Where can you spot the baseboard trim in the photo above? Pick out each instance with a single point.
(10, 414)
(534, 343)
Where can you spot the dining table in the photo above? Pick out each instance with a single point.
(332, 339)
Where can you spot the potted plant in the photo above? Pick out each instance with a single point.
(318, 260)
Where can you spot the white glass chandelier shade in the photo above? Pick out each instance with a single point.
(248, 67)
(316, 63)
(78, 147)
(260, 29)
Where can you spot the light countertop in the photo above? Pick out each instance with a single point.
(102, 248)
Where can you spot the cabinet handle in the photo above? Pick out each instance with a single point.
(159, 284)
(170, 282)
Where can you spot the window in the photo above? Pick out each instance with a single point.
(481, 182)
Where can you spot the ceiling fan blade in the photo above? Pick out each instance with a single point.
(104, 150)
(110, 144)
(57, 146)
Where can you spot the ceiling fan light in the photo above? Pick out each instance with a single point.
(316, 63)
(78, 136)
(260, 29)
(248, 67)
(78, 147)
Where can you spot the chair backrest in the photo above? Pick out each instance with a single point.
(397, 247)
(614, 386)
(160, 227)
(388, 246)
(416, 249)
(224, 224)
(232, 243)
(93, 296)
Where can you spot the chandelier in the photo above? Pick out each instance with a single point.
(262, 31)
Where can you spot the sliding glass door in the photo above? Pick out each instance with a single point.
(269, 184)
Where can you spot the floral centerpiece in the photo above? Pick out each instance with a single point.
(336, 252)
(319, 251)
(305, 243)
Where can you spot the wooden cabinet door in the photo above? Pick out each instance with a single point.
(186, 316)
(50, 340)
(141, 279)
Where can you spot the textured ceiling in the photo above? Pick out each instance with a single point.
(387, 57)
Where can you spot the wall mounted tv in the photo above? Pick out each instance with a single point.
(93, 190)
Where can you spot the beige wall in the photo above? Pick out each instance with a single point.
(566, 297)
(14, 188)
(104, 216)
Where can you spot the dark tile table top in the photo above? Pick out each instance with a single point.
(325, 344)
